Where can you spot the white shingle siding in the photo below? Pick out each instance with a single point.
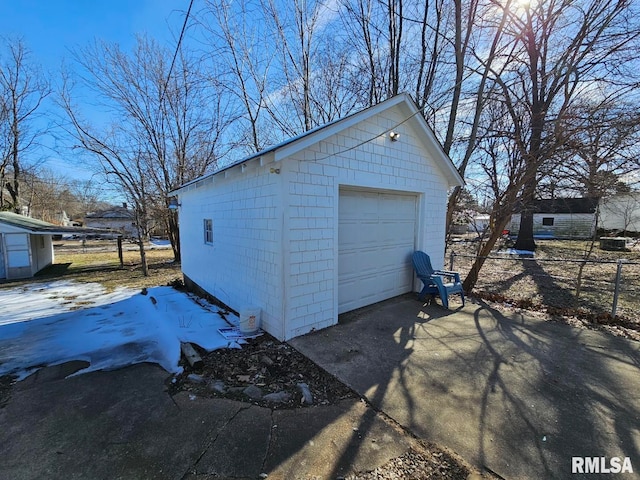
(565, 225)
(314, 178)
(275, 235)
(243, 266)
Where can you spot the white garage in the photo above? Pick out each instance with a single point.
(322, 223)
(376, 237)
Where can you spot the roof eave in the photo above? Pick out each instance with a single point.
(296, 144)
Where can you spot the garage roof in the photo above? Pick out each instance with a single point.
(32, 225)
(563, 205)
(292, 145)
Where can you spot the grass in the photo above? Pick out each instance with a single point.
(547, 281)
(97, 261)
(550, 279)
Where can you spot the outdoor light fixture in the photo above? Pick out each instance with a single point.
(173, 203)
(274, 170)
(394, 136)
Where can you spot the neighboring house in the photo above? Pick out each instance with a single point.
(620, 213)
(563, 218)
(26, 246)
(323, 223)
(117, 219)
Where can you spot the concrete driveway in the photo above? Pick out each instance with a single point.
(122, 425)
(517, 396)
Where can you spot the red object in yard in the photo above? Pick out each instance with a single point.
(505, 233)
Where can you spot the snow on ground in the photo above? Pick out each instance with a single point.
(160, 242)
(52, 323)
(513, 251)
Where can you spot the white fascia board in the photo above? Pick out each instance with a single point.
(413, 115)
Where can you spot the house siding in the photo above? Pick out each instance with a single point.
(621, 212)
(125, 226)
(243, 265)
(565, 225)
(315, 176)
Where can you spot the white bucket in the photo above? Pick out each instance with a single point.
(249, 320)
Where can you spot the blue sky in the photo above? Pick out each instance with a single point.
(50, 28)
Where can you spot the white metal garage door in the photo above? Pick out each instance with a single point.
(376, 237)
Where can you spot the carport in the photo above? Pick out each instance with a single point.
(26, 244)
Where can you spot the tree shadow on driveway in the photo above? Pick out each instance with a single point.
(515, 395)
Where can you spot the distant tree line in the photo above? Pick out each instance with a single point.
(529, 99)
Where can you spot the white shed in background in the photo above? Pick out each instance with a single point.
(323, 223)
(26, 245)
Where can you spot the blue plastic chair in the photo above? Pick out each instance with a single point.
(437, 282)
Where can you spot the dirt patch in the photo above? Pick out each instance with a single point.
(427, 463)
(546, 285)
(576, 317)
(264, 366)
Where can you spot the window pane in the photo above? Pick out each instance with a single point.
(208, 230)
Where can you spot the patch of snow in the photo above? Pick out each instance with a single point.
(55, 322)
(160, 242)
(513, 251)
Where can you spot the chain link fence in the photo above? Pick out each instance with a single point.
(599, 286)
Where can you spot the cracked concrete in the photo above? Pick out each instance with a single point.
(123, 425)
(515, 395)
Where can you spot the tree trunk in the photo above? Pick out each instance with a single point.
(451, 206)
(143, 257)
(173, 231)
(525, 239)
(471, 279)
(14, 186)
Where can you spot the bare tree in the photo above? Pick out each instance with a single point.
(396, 46)
(560, 48)
(362, 36)
(243, 64)
(462, 46)
(121, 165)
(22, 90)
(166, 124)
(563, 47)
(332, 96)
(87, 195)
(504, 171)
(602, 147)
(296, 51)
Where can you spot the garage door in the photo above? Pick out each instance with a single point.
(376, 237)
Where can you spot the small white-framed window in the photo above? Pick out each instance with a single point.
(208, 231)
